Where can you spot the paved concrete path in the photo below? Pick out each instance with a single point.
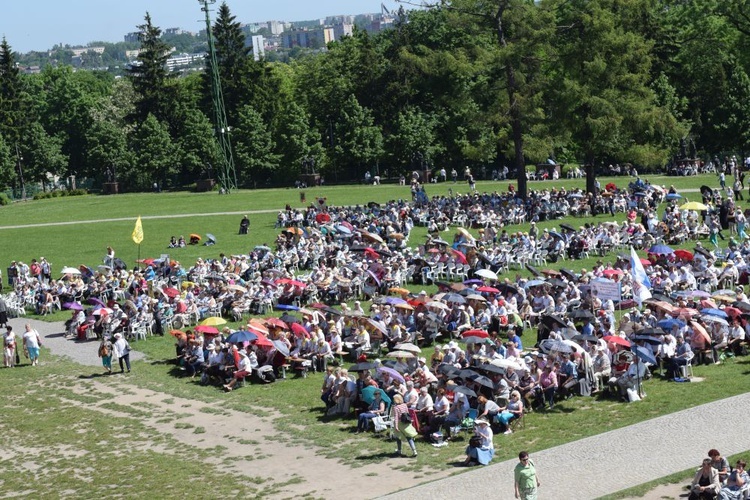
(53, 338)
(610, 462)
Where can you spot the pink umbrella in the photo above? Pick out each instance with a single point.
(460, 257)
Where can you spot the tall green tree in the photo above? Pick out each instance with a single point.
(43, 158)
(198, 149)
(254, 149)
(358, 141)
(602, 86)
(233, 63)
(296, 141)
(13, 101)
(149, 75)
(155, 157)
(414, 137)
(7, 163)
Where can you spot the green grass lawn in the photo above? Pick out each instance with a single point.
(38, 401)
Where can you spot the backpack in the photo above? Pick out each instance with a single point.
(103, 351)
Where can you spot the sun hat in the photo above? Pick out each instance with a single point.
(480, 421)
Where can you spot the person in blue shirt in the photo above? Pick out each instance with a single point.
(588, 328)
(568, 375)
(515, 339)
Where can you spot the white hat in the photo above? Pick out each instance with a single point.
(423, 292)
(452, 345)
(481, 421)
(118, 336)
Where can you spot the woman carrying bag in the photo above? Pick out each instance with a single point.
(402, 425)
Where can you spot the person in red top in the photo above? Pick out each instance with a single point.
(548, 383)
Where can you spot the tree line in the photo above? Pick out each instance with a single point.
(463, 82)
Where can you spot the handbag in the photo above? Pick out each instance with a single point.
(475, 442)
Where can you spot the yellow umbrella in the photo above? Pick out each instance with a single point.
(464, 232)
(399, 290)
(213, 321)
(693, 205)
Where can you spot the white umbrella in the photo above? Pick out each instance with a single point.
(400, 354)
(486, 273)
(475, 296)
(506, 363)
(408, 346)
(438, 305)
(69, 270)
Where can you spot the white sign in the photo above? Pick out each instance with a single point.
(606, 290)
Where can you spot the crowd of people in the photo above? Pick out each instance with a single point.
(482, 376)
(717, 479)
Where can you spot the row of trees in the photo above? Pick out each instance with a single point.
(500, 82)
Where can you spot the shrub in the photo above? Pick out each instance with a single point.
(5, 199)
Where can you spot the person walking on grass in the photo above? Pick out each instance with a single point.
(121, 349)
(32, 343)
(105, 352)
(526, 479)
(9, 348)
(403, 426)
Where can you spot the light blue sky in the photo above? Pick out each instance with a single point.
(40, 24)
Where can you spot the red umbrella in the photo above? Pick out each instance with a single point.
(475, 333)
(171, 292)
(433, 250)
(488, 289)
(370, 252)
(685, 312)
(322, 218)
(617, 340)
(300, 330)
(206, 330)
(732, 312)
(708, 304)
(611, 272)
(148, 262)
(287, 281)
(645, 262)
(277, 322)
(262, 340)
(683, 255)
(460, 257)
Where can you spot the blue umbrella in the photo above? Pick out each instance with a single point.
(394, 301)
(575, 195)
(715, 319)
(673, 196)
(241, 336)
(715, 312)
(556, 234)
(660, 250)
(343, 229)
(644, 354)
(667, 324)
(368, 395)
(286, 307)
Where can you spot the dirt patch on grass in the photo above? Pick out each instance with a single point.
(250, 445)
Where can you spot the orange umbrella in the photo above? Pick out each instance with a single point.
(256, 326)
(176, 333)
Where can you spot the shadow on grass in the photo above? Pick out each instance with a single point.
(96, 375)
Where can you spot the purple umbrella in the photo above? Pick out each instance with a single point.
(392, 373)
(474, 281)
(75, 306)
(96, 301)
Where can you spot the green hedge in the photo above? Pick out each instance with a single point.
(41, 195)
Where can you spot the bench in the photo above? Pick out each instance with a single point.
(283, 369)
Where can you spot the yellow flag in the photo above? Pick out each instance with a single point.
(138, 231)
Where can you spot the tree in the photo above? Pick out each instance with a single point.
(414, 136)
(358, 141)
(7, 164)
(42, 155)
(296, 141)
(155, 156)
(233, 63)
(602, 87)
(149, 75)
(107, 147)
(197, 144)
(13, 102)
(254, 148)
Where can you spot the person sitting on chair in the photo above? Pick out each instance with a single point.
(481, 449)
(376, 408)
(705, 485)
(735, 482)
